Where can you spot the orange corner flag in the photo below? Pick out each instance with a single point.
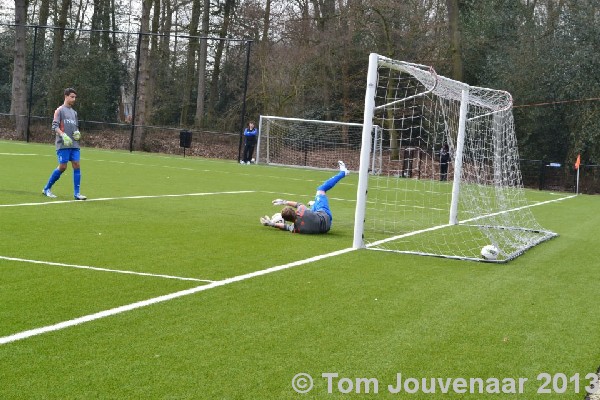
(578, 161)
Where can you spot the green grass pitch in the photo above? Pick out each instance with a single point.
(168, 258)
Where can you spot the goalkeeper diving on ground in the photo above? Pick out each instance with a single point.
(302, 219)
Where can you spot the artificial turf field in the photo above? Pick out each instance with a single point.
(163, 285)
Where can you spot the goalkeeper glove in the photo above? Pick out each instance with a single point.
(77, 135)
(66, 139)
(279, 202)
(266, 221)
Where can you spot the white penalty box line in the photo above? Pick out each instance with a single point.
(157, 196)
(129, 307)
(117, 271)
(109, 269)
(160, 299)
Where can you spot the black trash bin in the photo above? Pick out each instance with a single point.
(185, 140)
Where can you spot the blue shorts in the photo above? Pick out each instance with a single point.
(66, 155)
(322, 204)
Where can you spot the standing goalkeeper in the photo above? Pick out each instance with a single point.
(317, 218)
(65, 127)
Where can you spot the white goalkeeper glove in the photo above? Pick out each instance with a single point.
(77, 135)
(266, 221)
(66, 139)
(279, 202)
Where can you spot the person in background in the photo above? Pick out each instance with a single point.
(250, 136)
(65, 127)
(444, 161)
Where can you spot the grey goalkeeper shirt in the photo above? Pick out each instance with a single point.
(65, 118)
(308, 221)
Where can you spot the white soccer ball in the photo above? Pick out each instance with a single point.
(277, 218)
(252, 161)
(490, 252)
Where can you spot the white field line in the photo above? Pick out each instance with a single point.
(107, 269)
(45, 203)
(435, 228)
(161, 299)
(117, 271)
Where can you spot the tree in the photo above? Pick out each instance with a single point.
(143, 76)
(455, 39)
(18, 106)
(59, 33)
(190, 63)
(216, 74)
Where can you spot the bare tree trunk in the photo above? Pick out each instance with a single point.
(59, 34)
(214, 85)
(154, 59)
(18, 104)
(105, 23)
(113, 18)
(345, 82)
(95, 25)
(143, 76)
(167, 24)
(266, 22)
(190, 64)
(306, 30)
(43, 20)
(81, 10)
(101, 20)
(455, 39)
(199, 119)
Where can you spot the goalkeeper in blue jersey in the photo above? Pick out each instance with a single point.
(302, 219)
(65, 127)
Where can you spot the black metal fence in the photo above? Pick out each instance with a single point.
(204, 143)
(103, 66)
(545, 175)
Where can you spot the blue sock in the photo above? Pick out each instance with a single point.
(76, 180)
(331, 182)
(53, 178)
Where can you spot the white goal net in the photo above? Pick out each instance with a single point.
(450, 181)
(311, 143)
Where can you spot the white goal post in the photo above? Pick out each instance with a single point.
(424, 201)
(311, 143)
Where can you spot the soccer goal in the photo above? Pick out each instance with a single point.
(312, 143)
(450, 182)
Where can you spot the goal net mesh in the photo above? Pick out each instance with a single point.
(424, 205)
(308, 143)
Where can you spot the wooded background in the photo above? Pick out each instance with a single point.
(308, 59)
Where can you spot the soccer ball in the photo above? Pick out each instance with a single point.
(277, 219)
(252, 161)
(490, 252)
